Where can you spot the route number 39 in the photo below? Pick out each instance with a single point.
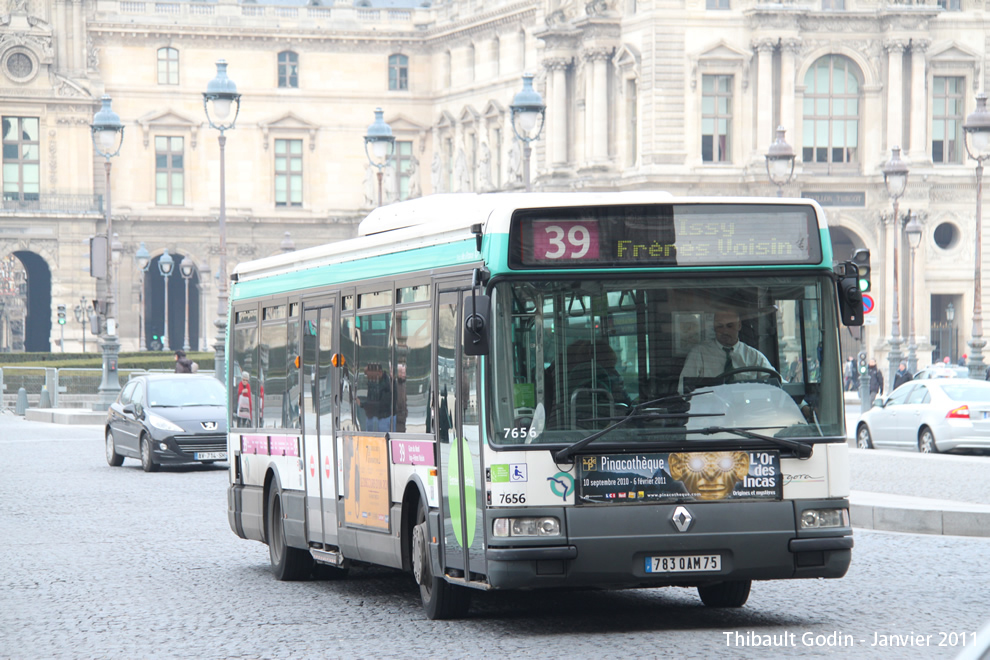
(567, 240)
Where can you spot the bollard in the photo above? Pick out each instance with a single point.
(46, 400)
(22, 401)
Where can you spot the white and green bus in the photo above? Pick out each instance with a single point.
(489, 391)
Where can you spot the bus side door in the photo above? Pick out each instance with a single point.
(319, 376)
(457, 406)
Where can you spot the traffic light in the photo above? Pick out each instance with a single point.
(61, 314)
(861, 257)
(862, 362)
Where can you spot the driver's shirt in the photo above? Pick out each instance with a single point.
(707, 360)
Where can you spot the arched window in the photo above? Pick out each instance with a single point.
(288, 69)
(398, 72)
(168, 66)
(831, 112)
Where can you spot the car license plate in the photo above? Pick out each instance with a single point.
(683, 563)
(210, 456)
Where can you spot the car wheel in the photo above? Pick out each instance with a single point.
(863, 438)
(926, 441)
(148, 463)
(113, 458)
(288, 564)
(441, 600)
(733, 593)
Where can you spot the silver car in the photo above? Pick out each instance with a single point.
(935, 415)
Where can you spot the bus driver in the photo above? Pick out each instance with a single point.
(712, 358)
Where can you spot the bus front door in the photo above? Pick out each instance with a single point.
(319, 409)
(458, 426)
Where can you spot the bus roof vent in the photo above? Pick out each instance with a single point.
(439, 209)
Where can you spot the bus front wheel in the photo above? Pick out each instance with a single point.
(733, 593)
(441, 600)
(288, 564)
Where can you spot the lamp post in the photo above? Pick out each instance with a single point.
(382, 146)
(977, 127)
(221, 92)
(80, 312)
(913, 229)
(143, 259)
(780, 162)
(3, 329)
(186, 269)
(527, 108)
(108, 136)
(165, 265)
(116, 250)
(950, 316)
(895, 174)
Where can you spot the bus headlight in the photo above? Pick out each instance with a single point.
(545, 526)
(818, 518)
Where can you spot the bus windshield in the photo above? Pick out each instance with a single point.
(573, 357)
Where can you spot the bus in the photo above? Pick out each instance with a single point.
(489, 391)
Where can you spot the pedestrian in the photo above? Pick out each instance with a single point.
(962, 360)
(183, 365)
(245, 403)
(849, 373)
(876, 380)
(902, 376)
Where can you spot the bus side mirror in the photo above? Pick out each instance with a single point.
(476, 323)
(850, 294)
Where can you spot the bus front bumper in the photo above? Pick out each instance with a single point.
(608, 546)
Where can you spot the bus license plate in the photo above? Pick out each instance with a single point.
(684, 564)
(210, 456)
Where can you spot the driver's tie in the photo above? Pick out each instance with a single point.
(727, 367)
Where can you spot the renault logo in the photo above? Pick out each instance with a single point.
(210, 426)
(682, 519)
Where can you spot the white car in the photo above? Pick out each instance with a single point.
(930, 416)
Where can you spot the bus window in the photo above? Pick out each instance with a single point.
(412, 369)
(373, 357)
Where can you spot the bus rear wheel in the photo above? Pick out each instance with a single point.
(288, 563)
(733, 593)
(441, 600)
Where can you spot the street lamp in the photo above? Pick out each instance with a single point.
(80, 312)
(108, 136)
(165, 265)
(143, 259)
(186, 268)
(527, 108)
(950, 316)
(895, 174)
(913, 229)
(221, 92)
(382, 146)
(977, 127)
(780, 162)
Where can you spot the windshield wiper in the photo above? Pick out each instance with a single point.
(803, 450)
(565, 454)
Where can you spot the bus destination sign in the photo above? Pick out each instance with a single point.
(636, 236)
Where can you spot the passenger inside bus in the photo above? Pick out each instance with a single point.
(594, 385)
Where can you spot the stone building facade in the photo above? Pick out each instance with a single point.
(680, 95)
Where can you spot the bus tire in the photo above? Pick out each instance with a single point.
(733, 593)
(147, 456)
(288, 564)
(113, 458)
(441, 600)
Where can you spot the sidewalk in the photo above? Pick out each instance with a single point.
(890, 490)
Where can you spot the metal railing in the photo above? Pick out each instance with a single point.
(67, 387)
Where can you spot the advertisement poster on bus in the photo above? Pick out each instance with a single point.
(680, 477)
(366, 482)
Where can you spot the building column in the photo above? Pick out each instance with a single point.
(764, 96)
(77, 57)
(61, 36)
(918, 152)
(557, 109)
(788, 93)
(895, 93)
(599, 145)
